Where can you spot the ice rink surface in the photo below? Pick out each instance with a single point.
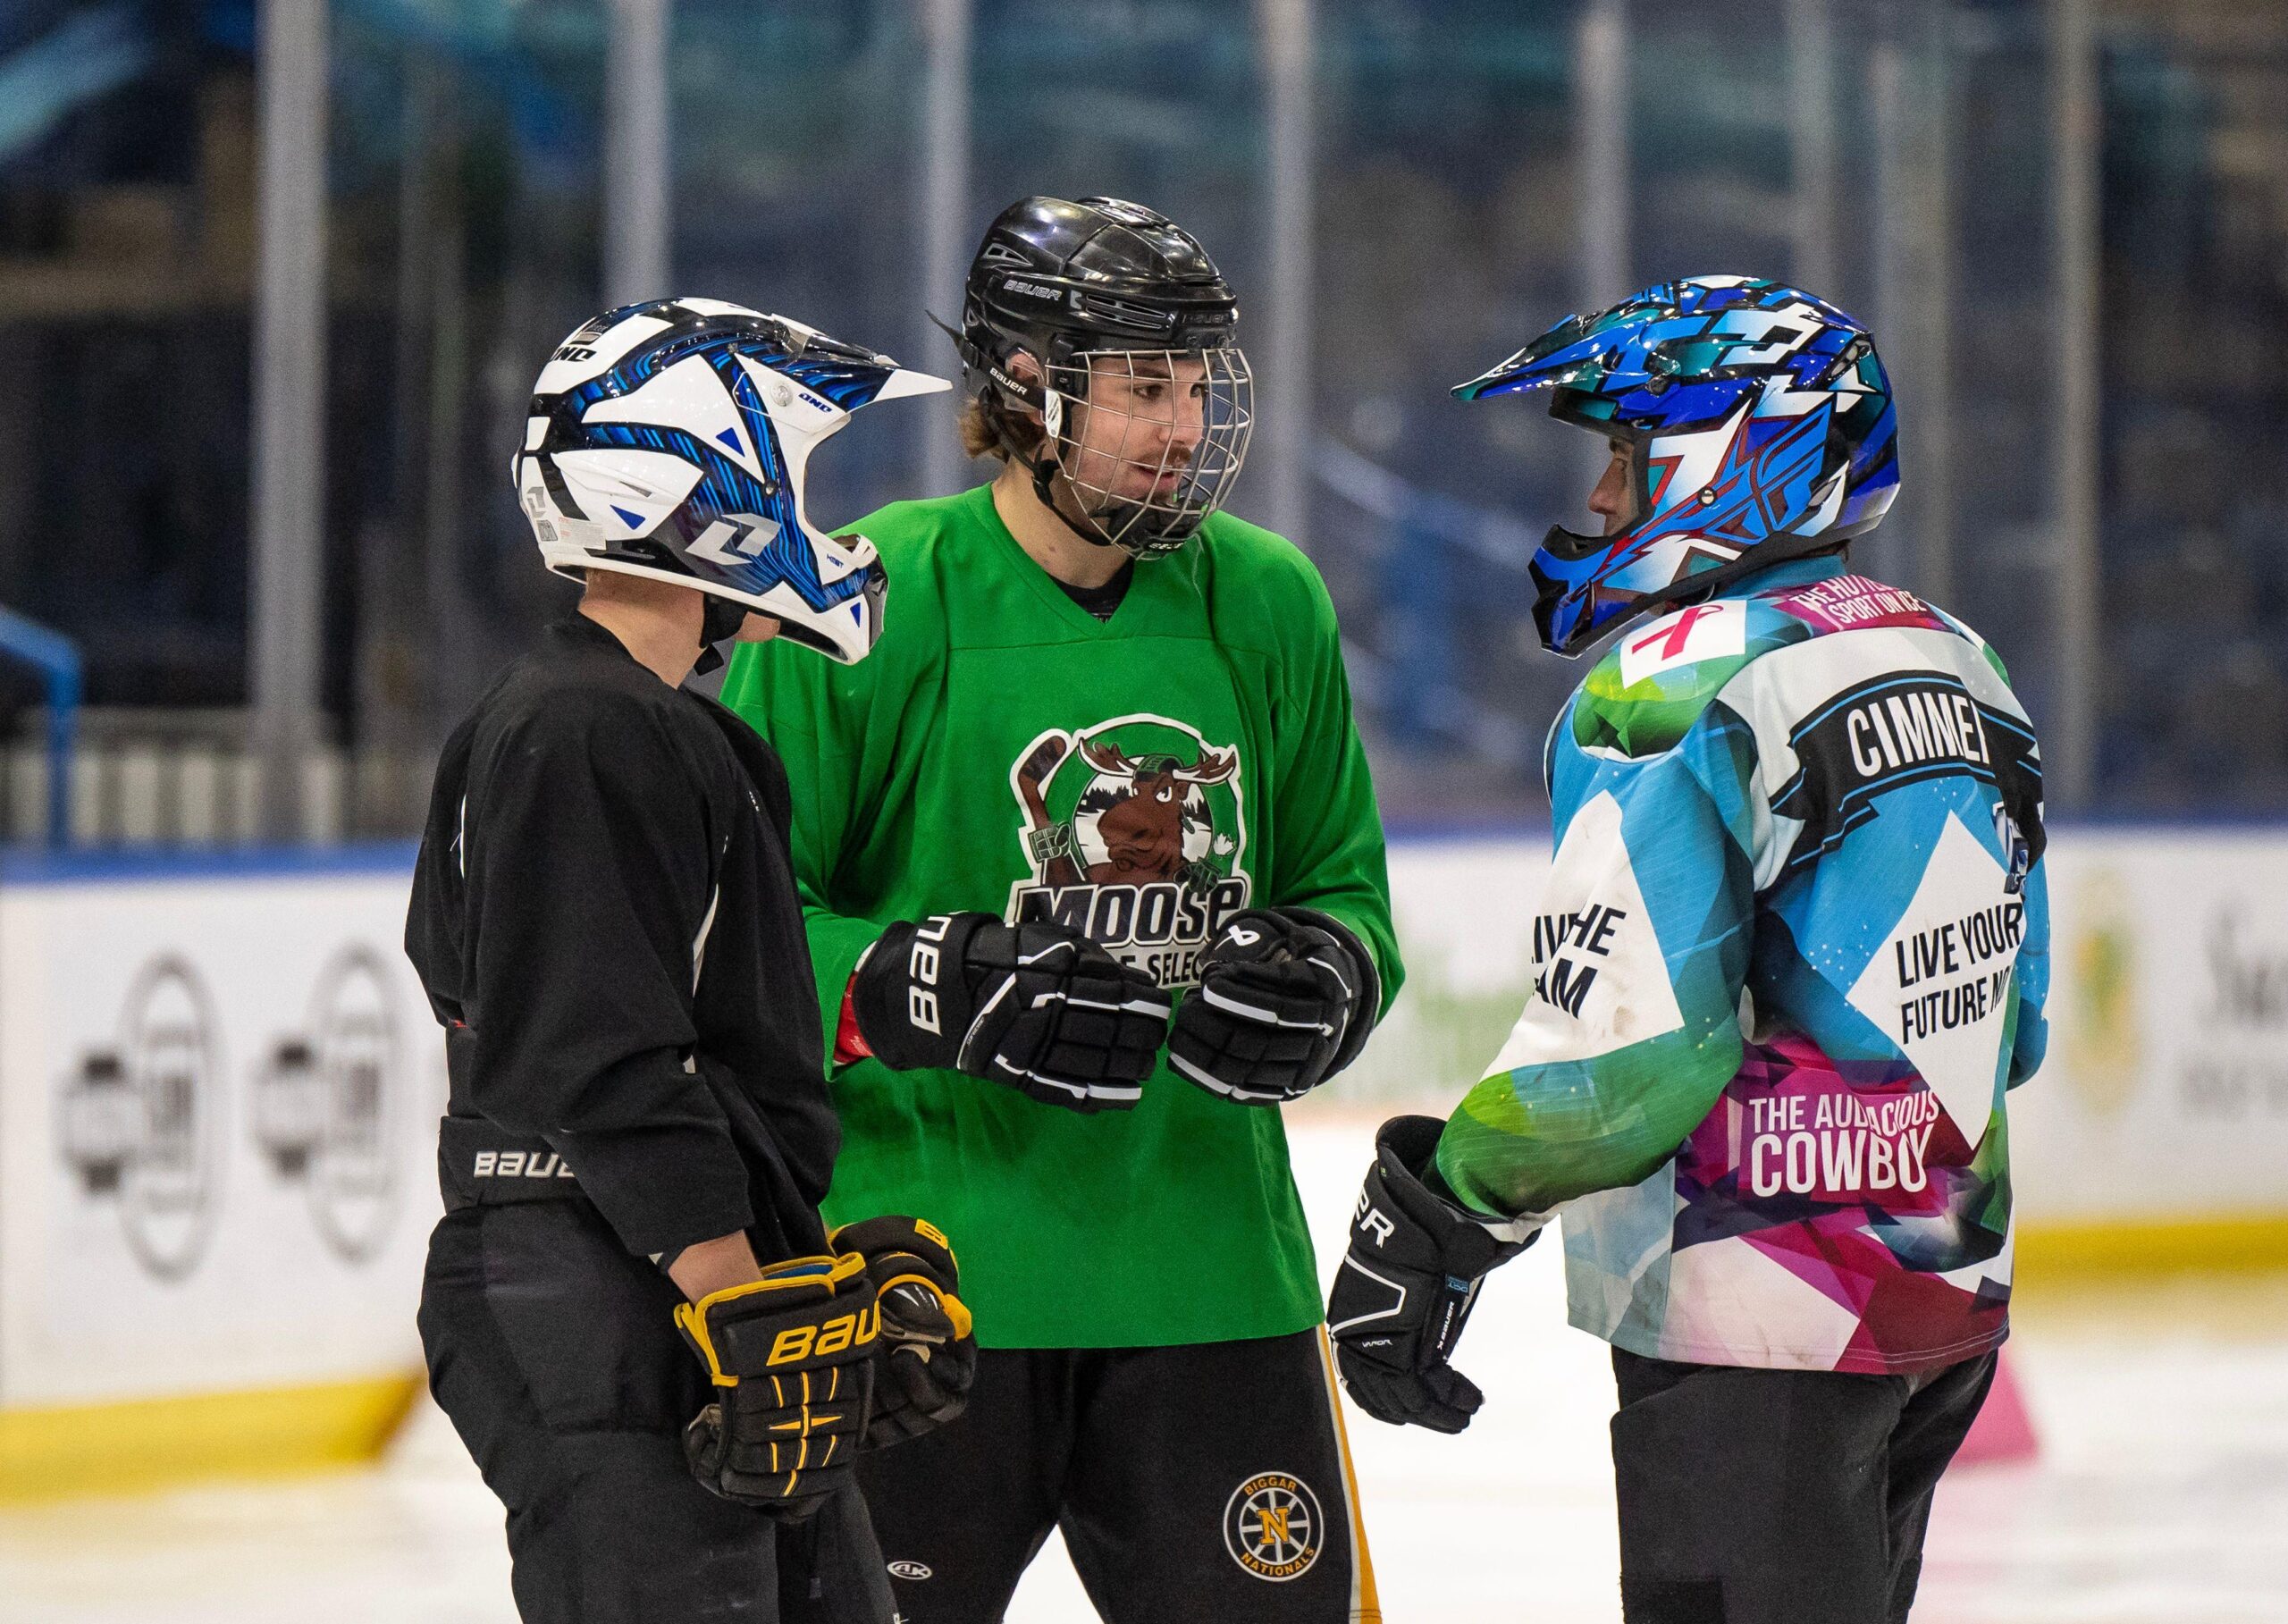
(2160, 1495)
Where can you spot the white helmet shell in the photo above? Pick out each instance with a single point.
(669, 439)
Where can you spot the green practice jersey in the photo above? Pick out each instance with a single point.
(1141, 778)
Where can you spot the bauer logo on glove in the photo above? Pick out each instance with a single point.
(797, 1343)
(1035, 1006)
(791, 1357)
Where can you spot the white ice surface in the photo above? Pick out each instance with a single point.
(2161, 1495)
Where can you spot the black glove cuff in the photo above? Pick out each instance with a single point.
(1366, 990)
(1433, 1233)
(916, 1239)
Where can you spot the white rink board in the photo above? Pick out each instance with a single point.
(215, 1265)
(2165, 1090)
(2165, 1094)
(156, 1029)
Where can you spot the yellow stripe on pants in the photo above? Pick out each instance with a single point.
(1365, 1606)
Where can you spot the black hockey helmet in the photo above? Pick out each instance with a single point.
(1101, 289)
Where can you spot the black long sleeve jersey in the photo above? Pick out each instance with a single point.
(604, 917)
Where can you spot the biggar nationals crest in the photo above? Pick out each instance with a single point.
(1133, 834)
(1272, 1526)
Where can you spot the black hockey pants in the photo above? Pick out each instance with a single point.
(1754, 1496)
(555, 1354)
(1206, 1483)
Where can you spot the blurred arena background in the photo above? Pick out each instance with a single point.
(274, 278)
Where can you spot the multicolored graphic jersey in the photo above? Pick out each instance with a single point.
(1139, 779)
(1792, 957)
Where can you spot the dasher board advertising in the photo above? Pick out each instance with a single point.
(219, 1088)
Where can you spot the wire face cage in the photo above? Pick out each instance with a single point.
(1151, 440)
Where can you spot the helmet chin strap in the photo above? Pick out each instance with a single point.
(718, 621)
(1045, 470)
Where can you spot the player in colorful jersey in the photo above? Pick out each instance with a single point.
(1101, 760)
(1792, 956)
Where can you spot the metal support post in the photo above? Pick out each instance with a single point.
(2070, 765)
(947, 232)
(1914, 317)
(1285, 32)
(1811, 143)
(638, 170)
(1600, 104)
(1933, 287)
(289, 452)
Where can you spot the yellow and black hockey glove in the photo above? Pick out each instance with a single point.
(792, 1359)
(1406, 1284)
(925, 1359)
(1035, 1007)
(1286, 1000)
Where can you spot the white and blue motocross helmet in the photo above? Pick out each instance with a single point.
(668, 439)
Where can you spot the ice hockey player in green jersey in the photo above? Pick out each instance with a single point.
(1094, 882)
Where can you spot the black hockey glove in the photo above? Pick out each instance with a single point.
(1035, 1006)
(1286, 1000)
(925, 1359)
(1407, 1284)
(792, 1357)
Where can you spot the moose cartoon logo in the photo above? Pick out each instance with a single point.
(1133, 834)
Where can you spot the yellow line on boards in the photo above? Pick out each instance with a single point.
(149, 1444)
(2244, 1242)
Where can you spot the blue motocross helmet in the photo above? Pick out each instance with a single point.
(670, 440)
(1764, 429)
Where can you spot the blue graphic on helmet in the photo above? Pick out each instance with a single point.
(671, 439)
(1762, 425)
(726, 490)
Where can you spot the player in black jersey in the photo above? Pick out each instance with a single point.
(639, 1134)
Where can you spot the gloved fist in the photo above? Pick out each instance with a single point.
(791, 1356)
(1035, 1007)
(1286, 997)
(1407, 1284)
(925, 1359)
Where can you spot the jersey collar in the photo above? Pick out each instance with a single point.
(1045, 586)
(1793, 572)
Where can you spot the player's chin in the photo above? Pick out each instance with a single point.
(757, 628)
